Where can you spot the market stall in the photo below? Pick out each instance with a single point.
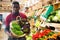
(42, 23)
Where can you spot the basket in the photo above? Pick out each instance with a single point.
(18, 36)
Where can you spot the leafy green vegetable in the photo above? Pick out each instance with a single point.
(50, 18)
(54, 17)
(16, 28)
(19, 32)
(29, 38)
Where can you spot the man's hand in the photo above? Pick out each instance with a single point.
(10, 34)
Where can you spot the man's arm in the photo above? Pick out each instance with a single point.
(7, 23)
(7, 31)
(7, 26)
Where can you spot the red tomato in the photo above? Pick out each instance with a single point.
(46, 31)
(35, 36)
(41, 34)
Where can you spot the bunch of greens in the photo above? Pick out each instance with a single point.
(16, 28)
(54, 17)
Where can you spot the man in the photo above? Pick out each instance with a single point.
(12, 16)
(26, 9)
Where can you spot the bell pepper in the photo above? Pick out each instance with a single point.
(41, 34)
(46, 31)
(35, 36)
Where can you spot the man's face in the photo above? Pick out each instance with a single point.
(16, 8)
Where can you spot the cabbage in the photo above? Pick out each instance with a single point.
(55, 18)
(58, 14)
(51, 17)
(29, 38)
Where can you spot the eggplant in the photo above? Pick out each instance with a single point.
(50, 27)
(58, 37)
(50, 39)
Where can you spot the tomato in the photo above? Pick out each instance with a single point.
(35, 36)
(41, 34)
(46, 31)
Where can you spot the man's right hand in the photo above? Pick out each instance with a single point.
(9, 34)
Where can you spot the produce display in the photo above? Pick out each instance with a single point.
(39, 35)
(40, 23)
(22, 26)
(46, 34)
(54, 17)
(33, 29)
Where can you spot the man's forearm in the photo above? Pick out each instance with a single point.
(7, 29)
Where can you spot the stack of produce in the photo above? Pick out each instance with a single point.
(55, 36)
(46, 34)
(39, 35)
(54, 17)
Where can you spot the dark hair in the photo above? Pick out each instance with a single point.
(49, 2)
(26, 7)
(15, 2)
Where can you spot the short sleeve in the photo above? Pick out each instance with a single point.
(23, 15)
(7, 21)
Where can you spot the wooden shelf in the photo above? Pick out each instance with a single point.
(56, 5)
(6, 6)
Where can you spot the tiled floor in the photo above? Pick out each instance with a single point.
(3, 35)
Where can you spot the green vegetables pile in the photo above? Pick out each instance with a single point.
(54, 17)
(16, 28)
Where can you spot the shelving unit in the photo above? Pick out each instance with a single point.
(5, 5)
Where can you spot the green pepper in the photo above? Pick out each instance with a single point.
(50, 34)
